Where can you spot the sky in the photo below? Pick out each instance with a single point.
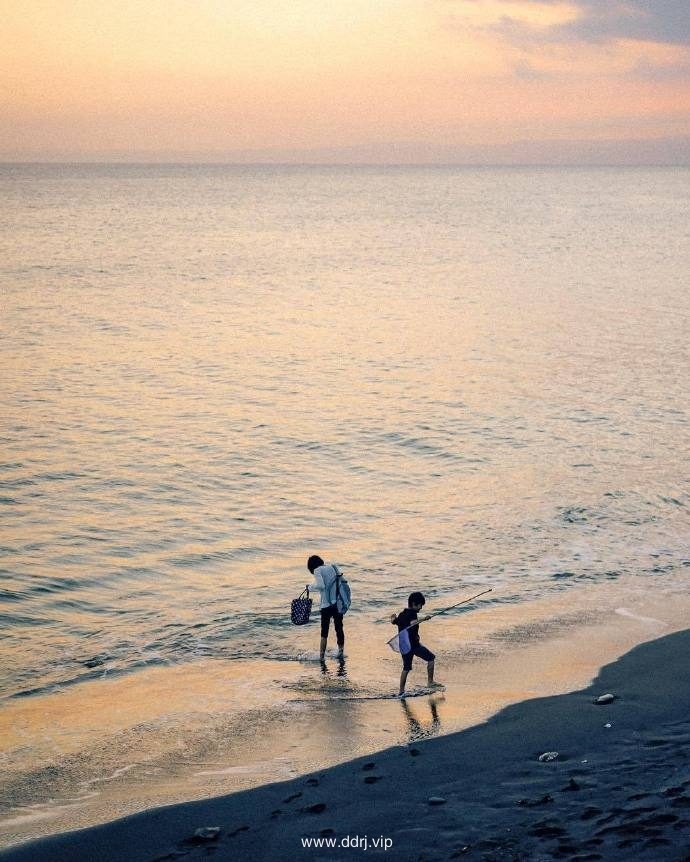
(486, 81)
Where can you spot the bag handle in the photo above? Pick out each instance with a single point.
(305, 590)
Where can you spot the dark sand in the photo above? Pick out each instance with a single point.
(619, 789)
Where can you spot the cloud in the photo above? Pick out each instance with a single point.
(661, 21)
(645, 70)
(526, 71)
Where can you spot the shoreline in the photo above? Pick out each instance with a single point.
(620, 787)
(122, 746)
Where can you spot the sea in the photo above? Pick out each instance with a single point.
(445, 379)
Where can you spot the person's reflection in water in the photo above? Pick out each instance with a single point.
(415, 729)
(341, 671)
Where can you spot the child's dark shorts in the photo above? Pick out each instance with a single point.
(420, 651)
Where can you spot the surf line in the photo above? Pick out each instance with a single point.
(394, 642)
(419, 692)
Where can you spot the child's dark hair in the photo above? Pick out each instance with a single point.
(416, 599)
(314, 562)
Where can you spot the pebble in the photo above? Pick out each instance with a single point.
(436, 800)
(548, 756)
(605, 698)
(533, 803)
(206, 833)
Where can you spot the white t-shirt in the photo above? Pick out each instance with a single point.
(324, 581)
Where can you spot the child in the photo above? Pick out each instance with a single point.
(409, 641)
(325, 582)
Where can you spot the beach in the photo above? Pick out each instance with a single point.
(614, 784)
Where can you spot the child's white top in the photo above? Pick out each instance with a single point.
(324, 579)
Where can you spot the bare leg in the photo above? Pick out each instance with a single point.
(403, 680)
(339, 633)
(430, 676)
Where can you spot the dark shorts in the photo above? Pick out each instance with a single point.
(326, 615)
(420, 651)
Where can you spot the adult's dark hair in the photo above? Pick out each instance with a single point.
(416, 599)
(314, 562)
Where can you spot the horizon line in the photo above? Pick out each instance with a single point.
(338, 164)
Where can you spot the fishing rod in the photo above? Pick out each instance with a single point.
(438, 613)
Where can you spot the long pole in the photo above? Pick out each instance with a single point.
(444, 611)
(457, 604)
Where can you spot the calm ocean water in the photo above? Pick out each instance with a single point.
(444, 379)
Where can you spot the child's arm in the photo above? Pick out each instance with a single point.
(318, 584)
(394, 620)
(419, 620)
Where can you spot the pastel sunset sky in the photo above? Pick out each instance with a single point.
(357, 80)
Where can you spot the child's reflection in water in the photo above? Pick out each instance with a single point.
(415, 729)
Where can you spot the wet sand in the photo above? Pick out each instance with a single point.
(121, 745)
(618, 789)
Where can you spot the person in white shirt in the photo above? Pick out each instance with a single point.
(324, 581)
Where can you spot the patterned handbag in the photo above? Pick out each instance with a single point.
(301, 608)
